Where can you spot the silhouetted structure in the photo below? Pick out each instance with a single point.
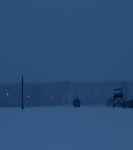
(22, 95)
(129, 103)
(110, 101)
(76, 102)
(118, 98)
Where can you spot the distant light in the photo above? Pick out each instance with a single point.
(51, 98)
(7, 94)
(28, 96)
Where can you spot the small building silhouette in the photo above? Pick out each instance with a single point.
(76, 102)
(110, 101)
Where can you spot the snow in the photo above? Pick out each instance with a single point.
(66, 128)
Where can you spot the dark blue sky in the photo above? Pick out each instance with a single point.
(75, 40)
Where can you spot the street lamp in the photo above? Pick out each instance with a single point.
(7, 94)
(42, 101)
(30, 101)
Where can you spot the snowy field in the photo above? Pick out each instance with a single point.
(66, 128)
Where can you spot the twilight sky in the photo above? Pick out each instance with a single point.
(74, 40)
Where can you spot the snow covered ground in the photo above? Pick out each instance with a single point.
(66, 128)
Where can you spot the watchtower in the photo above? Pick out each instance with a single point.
(118, 98)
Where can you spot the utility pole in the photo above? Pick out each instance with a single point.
(22, 95)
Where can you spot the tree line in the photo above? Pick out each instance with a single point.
(62, 93)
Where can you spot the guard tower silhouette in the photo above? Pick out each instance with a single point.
(118, 98)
